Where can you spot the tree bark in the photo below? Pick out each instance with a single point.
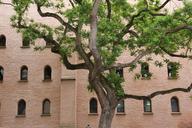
(106, 117)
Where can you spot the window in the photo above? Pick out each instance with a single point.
(46, 107)
(175, 104)
(1, 73)
(172, 70)
(93, 105)
(145, 70)
(47, 73)
(25, 42)
(147, 105)
(21, 107)
(120, 72)
(2, 40)
(121, 107)
(24, 73)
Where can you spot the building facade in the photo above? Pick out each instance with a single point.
(36, 90)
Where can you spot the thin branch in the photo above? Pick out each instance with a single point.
(108, 9)
(72, 4)
(174, 30)
(163, 5)
(54, 15)
(10, 4)
(154, 94)
(124, 65)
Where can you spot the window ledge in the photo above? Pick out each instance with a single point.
(23, 81)
(145, 78)
(48, 80)
(121, 113)
(20, 116)
(175, 113)
(148, 113)
(172, 78)
(45, 115)
(25, 47)
(2, 47)
(93, 114)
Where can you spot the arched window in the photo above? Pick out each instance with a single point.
(175, 104)
(21, 107)
(46, 106)
(145, 70)
(93, 105)
(121, 107)
(147, 105)
(1, 73)
(24, 73)
(119, 71)
(2, 40)
(47, 73)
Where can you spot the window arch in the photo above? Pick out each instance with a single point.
(175, 104)
(24, 73)
(1, 73)
(121, 107)
(46, 106)
(147, 105)
(21, 107)
(93, 105)
(2, 40)
(47, 72)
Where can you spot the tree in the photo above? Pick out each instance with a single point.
(100, 30)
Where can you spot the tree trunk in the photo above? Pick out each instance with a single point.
(106, 117)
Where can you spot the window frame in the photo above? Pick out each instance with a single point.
(1, 73)
(176, 102)
(44, 109)
(19, 107)
(145, 105)
(47, 73)
(93, 106)
(121, 107)
(3, 41)
(22, 73)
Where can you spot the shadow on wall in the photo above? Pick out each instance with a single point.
(185, 124)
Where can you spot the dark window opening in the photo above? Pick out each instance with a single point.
(147, 105)
(172, 70)
(93, 105)
(145, 70)
(47, 73)
(24, 73)
(121, 107)
(2, 40)
(1, 73)
(21, 107)
(26, 42)
(120, 72)
(46, 106)
(175, 104)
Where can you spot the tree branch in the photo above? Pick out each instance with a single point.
(57, 17)
(124, 65)
(93, 39)
(162, 6)
(154, 94)
(108, 9)
(5, 3)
